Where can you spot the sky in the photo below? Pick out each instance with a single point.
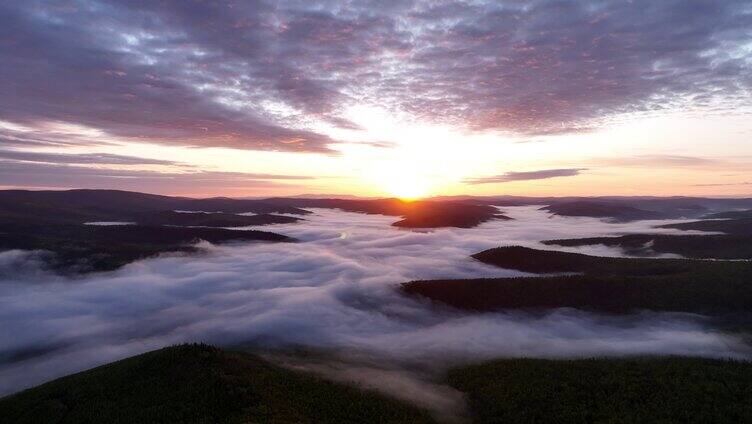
(378, 98)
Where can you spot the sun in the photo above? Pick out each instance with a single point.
(406, 186)
(402, 178)
(409, 190)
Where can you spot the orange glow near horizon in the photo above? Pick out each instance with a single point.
(413, 160)
(408, 188)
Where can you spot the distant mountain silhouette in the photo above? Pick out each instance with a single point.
(79, 206)
(87, 248)
(617, 285)
(218, 219)
(734, 242)
(720, 246)
(615, 212)
(53, 222)
(671, 207)
(741, 226)
(730, 215)
(416, 214)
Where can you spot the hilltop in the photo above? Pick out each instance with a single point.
(614, 285)
(203, 384)
(200, 384)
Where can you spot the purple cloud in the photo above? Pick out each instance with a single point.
(190, 181)
(526, 175)
(257, 75)
(743, 183)
(677, 161)
(81, 159)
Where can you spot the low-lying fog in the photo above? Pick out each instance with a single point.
(335, 290)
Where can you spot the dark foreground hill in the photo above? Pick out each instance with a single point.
(200, 384)
(616, 285)
(640, 390)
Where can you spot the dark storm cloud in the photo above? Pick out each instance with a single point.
(256, 75)
(527, 175)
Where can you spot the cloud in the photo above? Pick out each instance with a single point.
(526, 175)
(742, 183)
(546, 66)
(183, 180)
(81, 159)
(335, 290)
(141, 76)
(658, 161)
(51, 134)
(260, 75)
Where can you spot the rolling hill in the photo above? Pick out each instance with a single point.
(88, 248)
(196, 384)
(614, 285)
(200, 384)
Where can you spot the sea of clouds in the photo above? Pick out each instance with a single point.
(335, 290)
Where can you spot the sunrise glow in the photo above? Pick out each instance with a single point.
(360, 101)
(364, 211)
